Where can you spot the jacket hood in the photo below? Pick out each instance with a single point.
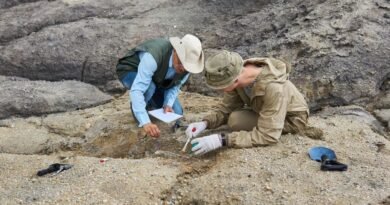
(274, 70)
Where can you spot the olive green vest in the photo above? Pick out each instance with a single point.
(161, 50)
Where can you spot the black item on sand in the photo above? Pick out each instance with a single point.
(54, 168)
(332, 165)
(328, 159)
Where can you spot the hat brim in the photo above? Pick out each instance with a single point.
(221, 87)
(180, 50)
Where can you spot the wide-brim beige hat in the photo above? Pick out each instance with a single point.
(189, 50)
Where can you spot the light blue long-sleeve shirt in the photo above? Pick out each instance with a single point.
(143, 87)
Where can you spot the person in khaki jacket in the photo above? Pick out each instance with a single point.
(259, 104)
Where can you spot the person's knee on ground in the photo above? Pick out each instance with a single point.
(242, 120)
(297, 123)
(313, 133)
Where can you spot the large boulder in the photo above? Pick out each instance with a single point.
(69, 40)
(20, 97)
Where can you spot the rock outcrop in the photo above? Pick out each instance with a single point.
(339, 50)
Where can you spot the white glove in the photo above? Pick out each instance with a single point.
(195, 128)
(206, 144)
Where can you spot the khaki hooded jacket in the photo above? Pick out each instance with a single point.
(272, 97)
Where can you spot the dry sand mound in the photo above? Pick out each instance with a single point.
(280, 174)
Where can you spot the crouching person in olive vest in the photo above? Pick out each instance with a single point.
(259, 104)
(154, 71)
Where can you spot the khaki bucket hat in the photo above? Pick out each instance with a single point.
(189, 50)
(222, 69)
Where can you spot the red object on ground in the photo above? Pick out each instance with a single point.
(194, 129)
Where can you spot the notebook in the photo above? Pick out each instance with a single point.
(165, 117)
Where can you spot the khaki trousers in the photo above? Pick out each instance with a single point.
(246, 119)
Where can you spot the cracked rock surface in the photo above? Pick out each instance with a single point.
(338, 49)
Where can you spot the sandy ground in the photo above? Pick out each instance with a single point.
(279, 174)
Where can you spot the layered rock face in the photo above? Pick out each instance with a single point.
(338, 49)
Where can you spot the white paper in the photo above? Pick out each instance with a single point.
(165, 117)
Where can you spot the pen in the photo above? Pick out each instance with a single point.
(188, 140)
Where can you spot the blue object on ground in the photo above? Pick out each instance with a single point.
(327, 157)
(316, 153)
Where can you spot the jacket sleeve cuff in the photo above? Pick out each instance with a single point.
(143, 119)
(238, 140)
(223, 139)
(229, 140)
(170, 102)
(207, 123)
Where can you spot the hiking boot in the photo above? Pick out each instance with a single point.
(314, 133)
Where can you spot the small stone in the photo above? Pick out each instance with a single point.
(380, 146)
(6, 123)
(268, 188)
